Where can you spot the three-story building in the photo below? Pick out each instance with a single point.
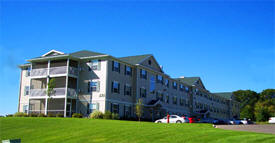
(87, 81)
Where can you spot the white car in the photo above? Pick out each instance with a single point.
(271, 120)
(238, 122)
(172, 119)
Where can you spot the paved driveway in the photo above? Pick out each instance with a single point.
(269, 128)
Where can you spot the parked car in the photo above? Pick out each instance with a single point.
(271, 120)
(172, 119)
(238, 121)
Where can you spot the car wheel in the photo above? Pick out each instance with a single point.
(159, 122)
(178, 121)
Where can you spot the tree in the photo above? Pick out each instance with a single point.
(267, 94)
(247, 112)
(139, 108)
(261, 111)
(51, 85)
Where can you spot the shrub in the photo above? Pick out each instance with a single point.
(9, 115)
(59, 115)
(50, 115)
(96, 115)
(107, 115)
(41, 115)
(33, 115)
(77, 115)
(20, 114)
(115, 116)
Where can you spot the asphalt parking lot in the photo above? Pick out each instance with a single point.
(269, 128)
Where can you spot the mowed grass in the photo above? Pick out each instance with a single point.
(59, 130)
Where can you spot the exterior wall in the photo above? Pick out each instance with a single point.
(25, 81)
(93, 97)
(120, 98)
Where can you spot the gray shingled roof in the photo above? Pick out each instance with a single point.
(227, 95)
(134, 59)
(189, 80)
(85, 53)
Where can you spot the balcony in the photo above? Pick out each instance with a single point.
(37, 92)
(58, 70)
(39, 72)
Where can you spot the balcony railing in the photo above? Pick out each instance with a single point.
(39, 72)
(37, 92)
(57, 92)
(58, 70)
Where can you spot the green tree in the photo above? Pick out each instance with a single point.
(51, 85)
(261, 111)
(139, 108)
(247, 112)
(267, 94)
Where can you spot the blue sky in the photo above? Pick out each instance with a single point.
(229, 44)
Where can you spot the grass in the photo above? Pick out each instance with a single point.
(114, 131)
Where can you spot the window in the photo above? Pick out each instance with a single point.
(95, 65)
(93, 106)
(152, 84)
(28, 71)
(186, 89)
(143, 74)
(142, 92)
(159, 79)
(95, 86)
(115, 108)
(149, 62)
(175, 85)
(166, 82)
(27, 90)
(181, 87)
(182, 102)
(159, 96)
(116, 66)
(128, 70)
(175, 100)
(167, 99)
(127, 111)
(25, 108)
(115, 87)
(127, 89)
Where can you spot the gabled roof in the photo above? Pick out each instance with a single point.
(53, 53)
(85, 53)
(227, 95)
(135, 59)
(189, 80)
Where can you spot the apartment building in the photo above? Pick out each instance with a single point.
(87, 81)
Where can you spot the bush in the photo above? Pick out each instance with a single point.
(50, 115)
(107, 115)
(77, 115)
(20, 114)
(59, 115)
(96, 115)
(41, 115)
(115, 116)
(9, 115)
(33, 115)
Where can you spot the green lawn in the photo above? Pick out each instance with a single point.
(60, 130)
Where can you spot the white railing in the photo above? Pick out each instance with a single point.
(58, 70)
(73, 71)
(71, 92)
(59, 91)
(37, 92)
(39, 72)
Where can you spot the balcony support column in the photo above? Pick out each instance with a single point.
(48, 80)
(77, 87)
(66, 88)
